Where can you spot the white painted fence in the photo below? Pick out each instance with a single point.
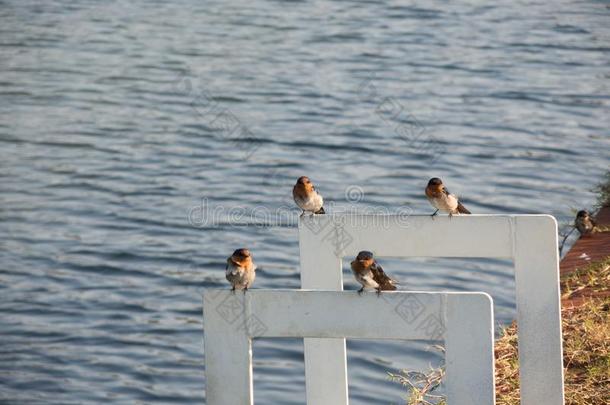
(529, 240)
(464, 321)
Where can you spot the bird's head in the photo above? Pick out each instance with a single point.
(435, 181)
(435, 184)
(365, 258)
(304, 182)
(582, 214)
(241, 255)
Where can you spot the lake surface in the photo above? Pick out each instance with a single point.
(119, 119)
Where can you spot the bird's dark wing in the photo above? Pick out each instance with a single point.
(385, 282)
(461, 209)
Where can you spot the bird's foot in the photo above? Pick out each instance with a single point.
(233, 290)
(450, 215)
(378, 292)
(434, 214)
(360, 291)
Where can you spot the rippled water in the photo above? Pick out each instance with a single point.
(118, 118)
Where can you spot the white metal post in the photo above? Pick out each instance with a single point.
(469, 360)
(463, 320)
(529, 240)
(226, 347)
(325, 359)
(538, 310)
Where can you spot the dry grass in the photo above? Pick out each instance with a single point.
(587, 353)
(594, 278)
(421, 386)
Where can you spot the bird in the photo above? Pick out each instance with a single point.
(442, 199)
(370, 274)
(240, 270)
(306, 197)
(584, 223)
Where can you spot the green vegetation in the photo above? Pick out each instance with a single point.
(603, 191)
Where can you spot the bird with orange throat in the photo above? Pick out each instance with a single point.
(240, 270)
(442, 199)
(307, 197)
(370, 274)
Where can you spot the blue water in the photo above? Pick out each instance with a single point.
(119, 118)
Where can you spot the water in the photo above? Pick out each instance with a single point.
(111, 134)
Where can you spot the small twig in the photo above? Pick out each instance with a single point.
(564, 240)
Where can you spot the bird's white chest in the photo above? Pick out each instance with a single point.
(312, 202)
(366, 279)
(445, 202)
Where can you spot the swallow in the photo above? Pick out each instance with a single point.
(370, 274)
(584, 223)
(240, 270)
(306, 196)
(442, 199)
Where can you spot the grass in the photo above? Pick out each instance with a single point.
(586, 336)
(595, 278)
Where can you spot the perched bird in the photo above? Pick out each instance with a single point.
(370, 274)
(306, 196)
(240, 270)
(442, 199)
(584, 223)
